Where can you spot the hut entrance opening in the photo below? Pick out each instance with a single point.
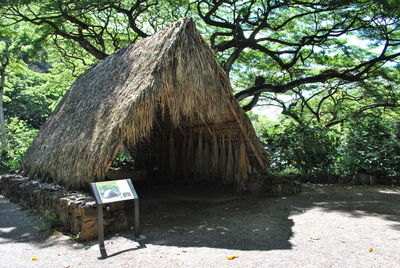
(192, 151)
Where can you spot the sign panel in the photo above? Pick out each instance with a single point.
(113, 191)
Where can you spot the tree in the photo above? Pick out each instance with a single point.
(295, 46)
(371, 146)
(93, 27)
(4, 62)
(20, 45)
(300, 48)
(308, 149)
(322, 62)
(336, 102)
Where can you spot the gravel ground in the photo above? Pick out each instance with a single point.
(325, 226)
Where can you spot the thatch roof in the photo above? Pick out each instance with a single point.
(166, 89)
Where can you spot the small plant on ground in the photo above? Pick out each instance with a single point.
(51, 221)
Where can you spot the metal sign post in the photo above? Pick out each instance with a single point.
(100, 229)
(113, 191)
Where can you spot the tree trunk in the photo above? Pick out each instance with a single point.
(3, 138)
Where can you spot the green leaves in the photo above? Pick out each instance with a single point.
(309, 149)
(372, 147)
(19, 137)
(369, 145)
(32, 96)
(93, 28)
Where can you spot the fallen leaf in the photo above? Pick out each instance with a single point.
(57, 233)
(34, 259)
(75, 237)
(232, 257)
(370, 250)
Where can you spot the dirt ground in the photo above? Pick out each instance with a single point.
(325, 226)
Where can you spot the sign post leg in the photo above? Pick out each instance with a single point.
(137, 226)
(100, 230)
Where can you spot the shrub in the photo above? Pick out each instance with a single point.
(372, 146)
(307, 149)
(19, 137)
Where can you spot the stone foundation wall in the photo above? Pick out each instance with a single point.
(356, 179)
(281, 185)
(367, 179)
(277, 185)
(76, 211)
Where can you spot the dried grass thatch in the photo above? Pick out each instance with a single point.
(167, 88)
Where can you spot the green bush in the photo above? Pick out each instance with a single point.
(369, 145)
(19, 137)
(302, 148)
(372, 146)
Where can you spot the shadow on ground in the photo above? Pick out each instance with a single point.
(257, 223)
(17, 225)
(214, 219)
(219, 220)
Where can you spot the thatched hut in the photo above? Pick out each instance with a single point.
(164, 98)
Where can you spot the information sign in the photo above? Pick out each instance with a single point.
(113, 191)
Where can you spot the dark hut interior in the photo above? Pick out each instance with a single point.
(192, 151)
